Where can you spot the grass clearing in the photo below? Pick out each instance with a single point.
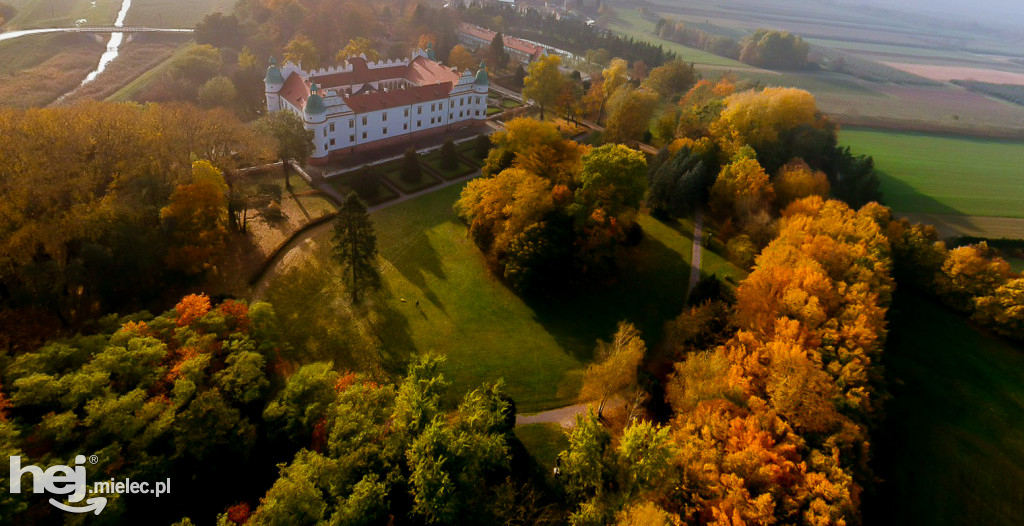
(923, 173)
(952, 449)
(540, 347)
(544, 442)
(434, 161)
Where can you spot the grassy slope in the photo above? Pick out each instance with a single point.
(539, 347)
(488, 332)
(953, 447)
(544, 442)
(628, 22)
(947, 175)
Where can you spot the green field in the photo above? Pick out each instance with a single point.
(628, 22)
(944, 175)
(540, 347)
(174, 13)
(61, 13)
(952, 450)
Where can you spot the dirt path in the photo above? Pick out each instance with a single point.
(698, 250)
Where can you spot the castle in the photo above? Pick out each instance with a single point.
(364, 104)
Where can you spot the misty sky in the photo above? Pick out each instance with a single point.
(1007, 11)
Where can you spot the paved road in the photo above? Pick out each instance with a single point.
(698, 249)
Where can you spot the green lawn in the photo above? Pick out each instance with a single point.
(544, 442)
(540, 347)
(943, 174)
(628, 22)
(952, 449)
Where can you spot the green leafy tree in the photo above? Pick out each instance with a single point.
(629, 115)
(613, 178)
(303, 402)
(497, 51)
(354, 246)
(218, 91)
(292, 139)
(670, 79)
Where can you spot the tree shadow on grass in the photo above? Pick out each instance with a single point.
(911, 201)
(648, 290)
(414, 257)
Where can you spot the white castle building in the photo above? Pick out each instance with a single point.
(362, 104)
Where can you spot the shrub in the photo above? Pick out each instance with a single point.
(449, 158)
(411, 171)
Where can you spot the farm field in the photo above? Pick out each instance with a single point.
(629, 23)
(487, 332)
(936, 174)
(952, 448)
(174, 13)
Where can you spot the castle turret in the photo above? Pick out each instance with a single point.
(482, 83)
(272, 85)
(315, 117)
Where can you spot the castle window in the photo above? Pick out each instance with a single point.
(405, 126)
(351, 138)
(364, 121)
(462, 101)
(407, 112)
(419, 124)
(364, 135)
(385, 117)
(385, 131)
(332, 127)
(351, 123)
(419, 110)
(332, 142)
(451, 116)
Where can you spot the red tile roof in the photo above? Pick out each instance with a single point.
(510, 42)
(434, 81)
(399, 97)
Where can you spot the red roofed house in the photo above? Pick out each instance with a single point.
(521, 50)
(364, 104)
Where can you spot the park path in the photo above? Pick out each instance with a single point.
(566, 416)
(698, 249)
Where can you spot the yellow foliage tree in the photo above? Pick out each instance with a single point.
(616, 367)
(741, 189)
(796, 180)
(197, 219)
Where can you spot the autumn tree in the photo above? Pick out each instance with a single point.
(741, 189)
(774, 49)
(670, 79)
(196, 218)
(544, 81)
(613, 77)
(629, 115)
(971, 272)
(293, 141)
(796, 180)
(615, 370)
(302, 51)
(354, 246)
(218, 91)
(356, 47)
(461, 58)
